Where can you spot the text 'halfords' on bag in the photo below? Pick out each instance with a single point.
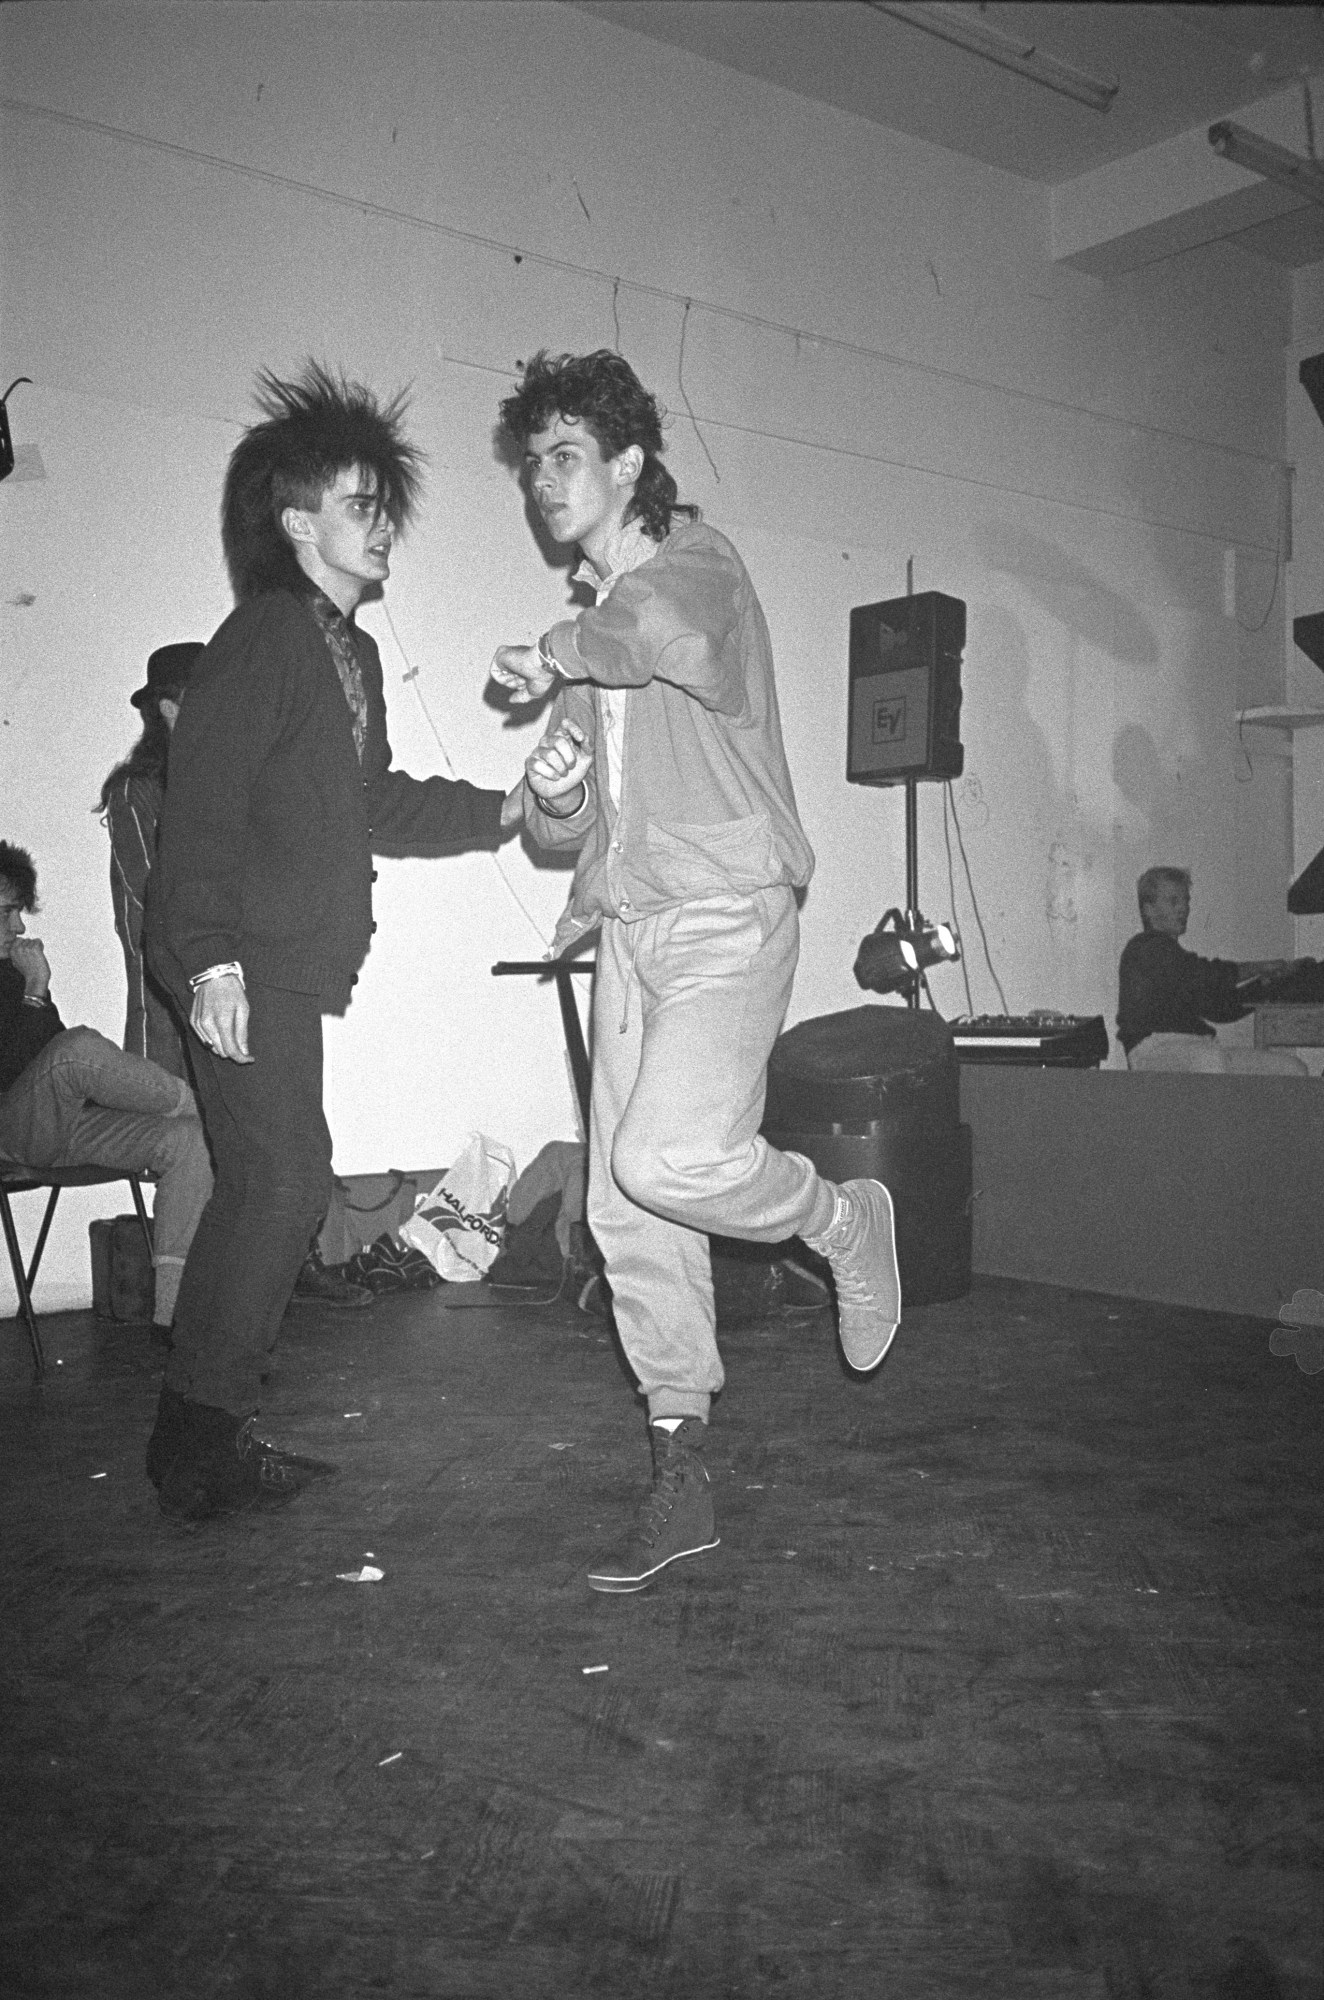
(459, 1224)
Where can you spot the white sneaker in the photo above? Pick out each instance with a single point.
(860, 1246)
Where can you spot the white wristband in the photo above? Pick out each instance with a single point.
(217, 972)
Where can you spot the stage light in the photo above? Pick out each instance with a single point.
(900, 949)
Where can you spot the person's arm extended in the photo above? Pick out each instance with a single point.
(1209, 985)
(422, 816)
(672, 619)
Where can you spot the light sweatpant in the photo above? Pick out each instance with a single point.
(686, 1008)
(84, 1103)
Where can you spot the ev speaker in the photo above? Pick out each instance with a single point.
(905, 689)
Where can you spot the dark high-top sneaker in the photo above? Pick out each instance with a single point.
(675, 1518)
(221, 1467)
(167, 1436)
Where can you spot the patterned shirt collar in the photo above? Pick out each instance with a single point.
(338, 631)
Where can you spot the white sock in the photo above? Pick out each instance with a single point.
(669, 1424)
(840, 1209)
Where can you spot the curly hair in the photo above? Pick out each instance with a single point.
(18, 871)
(315, 428)
(604, 393)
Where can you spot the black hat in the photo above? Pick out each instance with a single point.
(168, 670)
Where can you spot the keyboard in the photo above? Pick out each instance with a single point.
(1044, 1039)
(1302, 985)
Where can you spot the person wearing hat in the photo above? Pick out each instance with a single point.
(131, 802)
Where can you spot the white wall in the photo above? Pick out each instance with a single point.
(883, 362)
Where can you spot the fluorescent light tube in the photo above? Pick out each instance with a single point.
(1262, 156)
(1024, 58)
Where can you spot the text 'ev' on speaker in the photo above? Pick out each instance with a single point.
(905, 689)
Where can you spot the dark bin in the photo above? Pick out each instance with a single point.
(874, 1091)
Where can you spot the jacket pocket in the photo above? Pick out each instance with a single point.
(679, 861)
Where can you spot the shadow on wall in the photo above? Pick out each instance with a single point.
(1022, 824)
(1072, 594)
(1138, 772)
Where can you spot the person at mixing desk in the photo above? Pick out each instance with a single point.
(1169, 998)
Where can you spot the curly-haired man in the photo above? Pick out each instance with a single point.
(663, 764)
(260, 903)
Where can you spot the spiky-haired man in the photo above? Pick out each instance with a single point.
(663, 765)
(260, 903)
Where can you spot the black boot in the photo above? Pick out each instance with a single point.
(675, 1518)
(164, 1443)
(222, 1467)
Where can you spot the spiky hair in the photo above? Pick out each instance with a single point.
(315, 427)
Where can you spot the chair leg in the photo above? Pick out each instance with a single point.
(21, 1284)
(136, 1188)
(580, 1069)
(42, 1234)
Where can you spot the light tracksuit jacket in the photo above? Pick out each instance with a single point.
(706, 806)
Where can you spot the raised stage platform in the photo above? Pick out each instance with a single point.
(1190, 1190)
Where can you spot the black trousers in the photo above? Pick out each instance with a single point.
(271, 1149)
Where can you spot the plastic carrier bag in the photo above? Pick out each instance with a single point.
(459, 1224)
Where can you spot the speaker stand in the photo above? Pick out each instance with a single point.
(913, 917)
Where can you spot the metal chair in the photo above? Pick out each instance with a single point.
(15, 1179)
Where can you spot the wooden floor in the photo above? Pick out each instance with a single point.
(1005, 1680)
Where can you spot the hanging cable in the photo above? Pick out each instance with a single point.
(411, 675)
(974, 900)
(680, 378)
(951, 901)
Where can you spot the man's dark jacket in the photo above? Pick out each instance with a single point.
(24, 1031)
(270, 823)
(1162, 989)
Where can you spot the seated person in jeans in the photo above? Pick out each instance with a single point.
(70, 1098)
(1168, 997)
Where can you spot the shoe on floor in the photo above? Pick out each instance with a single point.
(221, 1467)
(166, 1442)
(320, 1284)
(675, 1519)
(297, 1461)
(168, 1435)
(860, 1246)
